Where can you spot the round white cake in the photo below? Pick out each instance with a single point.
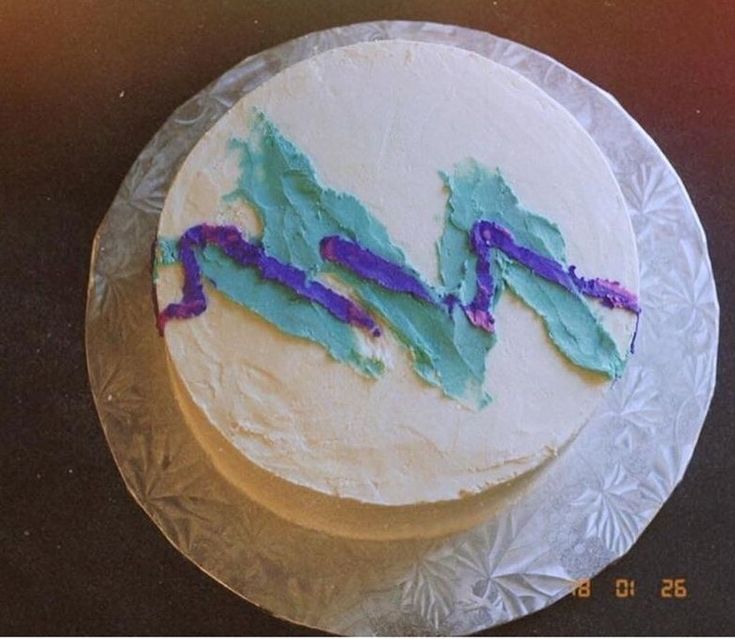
(396, 452)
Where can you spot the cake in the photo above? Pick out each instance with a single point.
(392, 281)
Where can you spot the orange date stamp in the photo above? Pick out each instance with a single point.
(624, 588)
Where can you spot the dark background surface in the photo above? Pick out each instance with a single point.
(84, 87)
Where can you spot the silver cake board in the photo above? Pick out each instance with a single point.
(583, 511)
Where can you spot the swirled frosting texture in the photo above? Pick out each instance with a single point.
(380, 120)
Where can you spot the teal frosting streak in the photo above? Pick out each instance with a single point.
(476, 193)
(291, 313)
(297, 211)
(167, 251)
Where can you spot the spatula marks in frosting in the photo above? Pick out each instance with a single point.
(246, 254)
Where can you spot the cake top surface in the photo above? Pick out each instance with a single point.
(437, 200)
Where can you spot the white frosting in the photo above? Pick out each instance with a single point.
(380, 120)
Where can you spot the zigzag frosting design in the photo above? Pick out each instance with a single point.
(490, 243)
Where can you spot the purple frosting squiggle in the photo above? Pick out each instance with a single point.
(230, 240)
(489, 235)
(478, 310)
(394, 277)
(372, 267)
(484, 236)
